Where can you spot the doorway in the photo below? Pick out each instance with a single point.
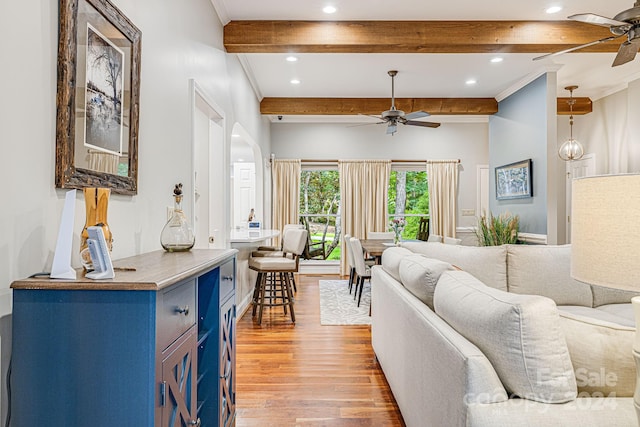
(208, 213)
(586, 166)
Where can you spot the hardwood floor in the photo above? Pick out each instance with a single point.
(309, 374)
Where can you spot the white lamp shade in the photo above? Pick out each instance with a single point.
(605, 231)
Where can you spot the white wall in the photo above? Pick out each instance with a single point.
(179, 42)
(466, 141)
(611, 131)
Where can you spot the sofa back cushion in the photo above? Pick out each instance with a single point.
(545, 270)
(519, 334)
(391, 260)
(420, 275)
(605, 296)
(487, 263)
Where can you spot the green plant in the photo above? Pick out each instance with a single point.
(498, 230)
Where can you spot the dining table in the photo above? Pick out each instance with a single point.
(375, 247)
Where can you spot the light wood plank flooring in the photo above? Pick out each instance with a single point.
(308, 374)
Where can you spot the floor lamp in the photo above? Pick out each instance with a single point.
(605, 240)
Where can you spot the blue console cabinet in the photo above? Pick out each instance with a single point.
(151, 347)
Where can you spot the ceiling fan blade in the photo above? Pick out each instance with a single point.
(592, 18)
(416, 115)
(626, 53)
(423, 124)
(571, 49)
(392, 128)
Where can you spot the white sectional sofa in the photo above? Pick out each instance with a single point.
(500, 336)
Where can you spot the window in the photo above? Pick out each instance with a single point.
(319, 211)
(408, 198)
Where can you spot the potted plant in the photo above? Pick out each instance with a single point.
(498, 230)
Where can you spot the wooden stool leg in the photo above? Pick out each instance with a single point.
(263, 285)
(256, 294)
(293, 280)
(290, 297)
(283, 293)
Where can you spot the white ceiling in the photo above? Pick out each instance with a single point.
(425, 75)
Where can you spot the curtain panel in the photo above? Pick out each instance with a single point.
(363, 199)
(286, 193)
(442, 177)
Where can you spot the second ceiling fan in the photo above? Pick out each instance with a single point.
(392, 117)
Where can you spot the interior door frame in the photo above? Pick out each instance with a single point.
(197, 92)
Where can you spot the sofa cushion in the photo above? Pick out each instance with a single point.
(545, 270)
(519, 334)
(391, 260)
(451, 241)
(601, 351)
(487, 263)
(623, 312)
(420, 274)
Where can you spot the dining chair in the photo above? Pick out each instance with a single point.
(349, 254)
(363, 271)
(380, 235)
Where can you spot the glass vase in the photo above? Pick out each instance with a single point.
(177, 235)
(96, 201)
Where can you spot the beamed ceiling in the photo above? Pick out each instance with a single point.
(295, 37)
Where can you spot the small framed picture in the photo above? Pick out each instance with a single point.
(514, 181)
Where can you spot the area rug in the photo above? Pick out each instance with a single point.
(337, 306)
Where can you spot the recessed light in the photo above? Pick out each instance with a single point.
(329, 9)
(496, 59)
(235, 135)
(471, 82)
(292, 58)
(295, 82)
(553, 9)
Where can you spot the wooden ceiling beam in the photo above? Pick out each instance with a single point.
(374, 106)
(412, 36)
(583, 105)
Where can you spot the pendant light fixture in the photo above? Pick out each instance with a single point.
(571, 149)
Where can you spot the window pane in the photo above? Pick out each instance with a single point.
(408, 198)
(319, 208)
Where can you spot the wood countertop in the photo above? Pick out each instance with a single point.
(150, 271)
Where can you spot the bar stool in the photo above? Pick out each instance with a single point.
(273, 284)
(274, 251)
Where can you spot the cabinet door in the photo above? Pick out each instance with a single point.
(227, 391)
(178, 384)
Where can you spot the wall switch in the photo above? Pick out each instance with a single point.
(468, 212)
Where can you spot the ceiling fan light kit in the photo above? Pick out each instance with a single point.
(626, 23)
(393, 116)
(571, 149)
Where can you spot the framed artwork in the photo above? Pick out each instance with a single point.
(514, 181)
(98, 97)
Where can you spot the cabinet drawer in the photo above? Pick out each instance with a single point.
(227, 279)
(176, 312)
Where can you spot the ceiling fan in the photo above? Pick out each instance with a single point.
(626, 23)
(394, 116)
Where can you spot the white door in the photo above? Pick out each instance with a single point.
(482, 197)
(586, 166)
(244, 191)
(208, 167)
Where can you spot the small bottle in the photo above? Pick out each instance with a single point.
(177, 235)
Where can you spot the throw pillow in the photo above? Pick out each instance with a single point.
(519, 334)
(420, 276)
(391, 260)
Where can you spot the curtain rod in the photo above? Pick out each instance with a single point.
(392, 161)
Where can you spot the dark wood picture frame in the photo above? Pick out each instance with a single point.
(97, 12)
(514, 181)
